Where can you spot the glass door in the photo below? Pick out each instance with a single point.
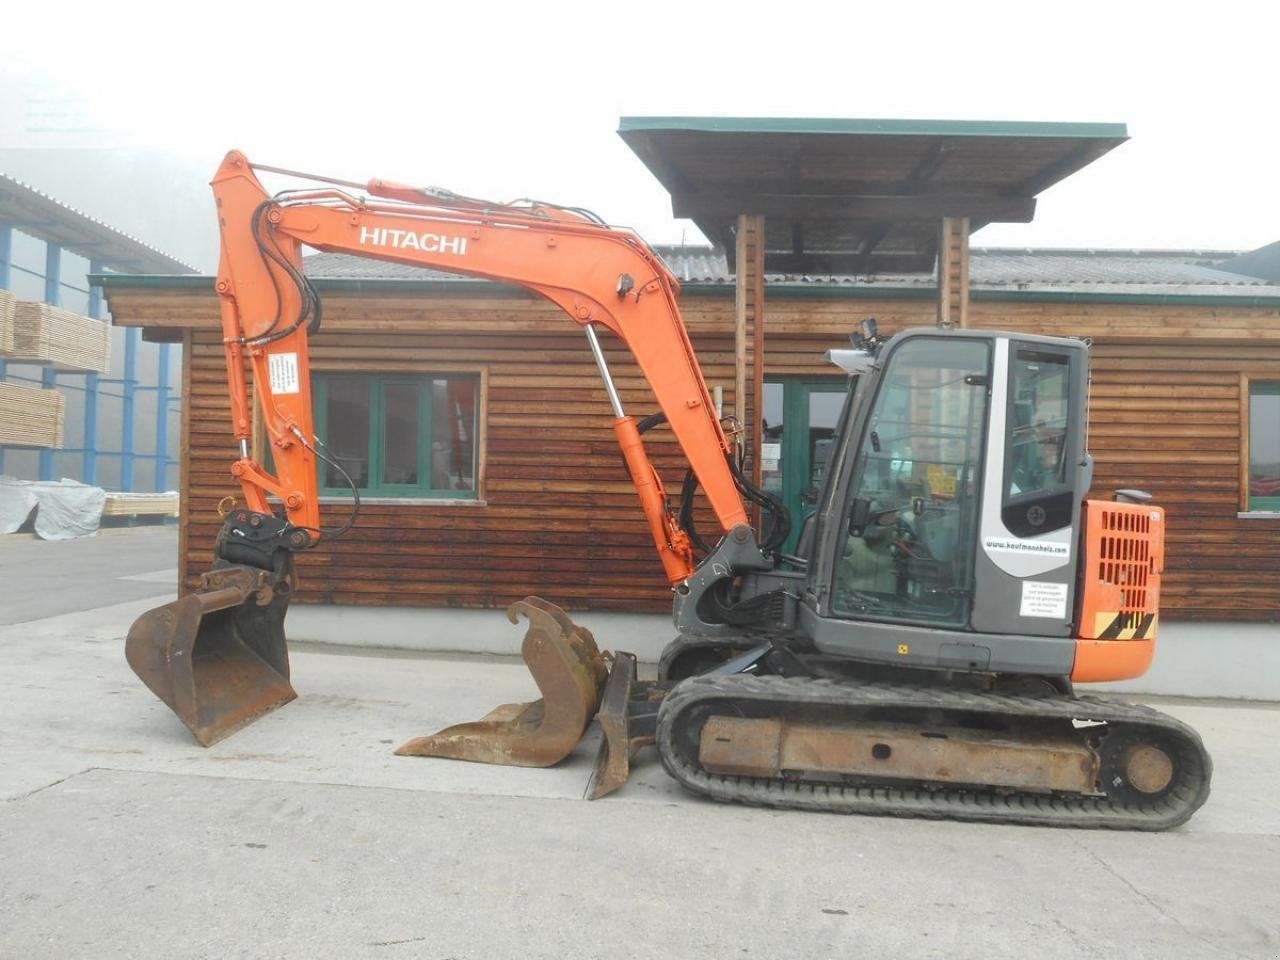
(911, 517)
(797, 433)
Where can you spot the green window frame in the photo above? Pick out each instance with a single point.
(1260, 458)
(378, 386)
(797, 451)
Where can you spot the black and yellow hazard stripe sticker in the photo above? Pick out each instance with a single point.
(1124, 626)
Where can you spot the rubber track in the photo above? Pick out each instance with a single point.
(1192, 764)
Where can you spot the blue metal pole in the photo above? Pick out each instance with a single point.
(53, 274)
(49, 376)
(6, 254)
(6, 278)
(132, 339)
(90, 455)
(162, 417)
(6, 259)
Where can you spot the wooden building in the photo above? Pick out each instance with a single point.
(474, 420)
(1180, 346)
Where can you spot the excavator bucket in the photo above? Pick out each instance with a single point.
(217, 657)
(628, 721)
(569, 671)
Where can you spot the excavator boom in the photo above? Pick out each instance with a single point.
(603, 278)
(600, 276)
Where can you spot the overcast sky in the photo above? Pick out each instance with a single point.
(523, 99)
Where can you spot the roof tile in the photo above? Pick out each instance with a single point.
(1103, 271)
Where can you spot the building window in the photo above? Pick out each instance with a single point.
(1261, 461)
(399, 435)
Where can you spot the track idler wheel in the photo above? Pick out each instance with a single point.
(569, 670)
(1137, 768)
(217, 657)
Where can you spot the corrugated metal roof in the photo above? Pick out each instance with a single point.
(1262, 264)
(341, 266)
(1170, 272)
(40, 215)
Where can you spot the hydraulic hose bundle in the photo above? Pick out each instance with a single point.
(775, 519)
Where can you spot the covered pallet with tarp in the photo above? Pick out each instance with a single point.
(54, 337)
(64, 509)
(30, 417)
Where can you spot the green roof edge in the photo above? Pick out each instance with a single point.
(781, 291)
(887, 127)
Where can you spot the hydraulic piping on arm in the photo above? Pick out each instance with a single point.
(600, 276)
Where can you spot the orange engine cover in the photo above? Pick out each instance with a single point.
(1119, 597)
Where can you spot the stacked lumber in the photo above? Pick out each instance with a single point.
(30, 417)
(59, 338)
(141, 504)
(7, 303)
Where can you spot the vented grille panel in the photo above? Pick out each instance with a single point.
(1124, 557)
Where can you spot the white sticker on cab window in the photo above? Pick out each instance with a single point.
(1041, 599)
(770, 454)
(282, 368)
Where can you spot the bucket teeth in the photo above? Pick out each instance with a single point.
(217, 657)
(569, 670)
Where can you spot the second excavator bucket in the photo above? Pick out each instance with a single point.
(217, 657)
(569, 671)
(628, 721)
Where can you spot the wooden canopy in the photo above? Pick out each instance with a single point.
(857, 196)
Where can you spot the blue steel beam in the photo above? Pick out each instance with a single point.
(6, 277)
(89, 456)
(53, 297)
(132, 339)
(162, 418)
(6, 281)
(6, 254)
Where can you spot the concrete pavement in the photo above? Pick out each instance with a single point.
(303, 836)
(45, 577)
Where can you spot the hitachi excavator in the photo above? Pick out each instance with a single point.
(914, 656)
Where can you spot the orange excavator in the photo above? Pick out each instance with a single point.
(915, 655)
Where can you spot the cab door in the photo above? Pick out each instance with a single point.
(1025, 575)
(905, 553)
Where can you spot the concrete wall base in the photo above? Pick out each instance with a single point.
(465, 631)
(1230, 660)
(1212, 659)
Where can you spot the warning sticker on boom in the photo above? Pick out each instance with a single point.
(282, 369)
(1041, 599)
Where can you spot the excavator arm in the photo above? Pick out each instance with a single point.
(218, 656)
(598, 275)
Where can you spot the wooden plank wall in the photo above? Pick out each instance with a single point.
(560, 517)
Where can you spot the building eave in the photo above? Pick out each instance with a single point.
(1148, 295)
